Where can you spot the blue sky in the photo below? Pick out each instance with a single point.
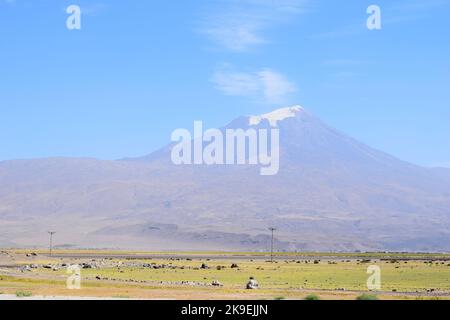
(139, 69)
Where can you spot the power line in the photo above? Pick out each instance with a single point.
(51, 233)
(271, 246)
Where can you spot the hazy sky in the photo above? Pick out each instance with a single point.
(139, 69)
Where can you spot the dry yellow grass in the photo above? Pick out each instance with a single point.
(283, 279)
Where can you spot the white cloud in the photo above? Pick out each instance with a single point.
(236, 83)
(275, 86)
(239, 25)
(266, 85)
(236, 36)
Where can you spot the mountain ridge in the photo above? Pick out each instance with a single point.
(332, 193)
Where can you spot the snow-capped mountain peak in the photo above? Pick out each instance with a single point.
(275, 116)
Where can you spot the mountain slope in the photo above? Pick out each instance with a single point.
(331, 193)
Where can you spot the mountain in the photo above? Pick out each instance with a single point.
(331, 193)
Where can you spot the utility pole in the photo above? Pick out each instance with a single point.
(271, 246)
(51, 233)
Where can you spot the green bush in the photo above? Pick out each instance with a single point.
(366, 296)
(21, 294)
(279, 298)
(312, 297)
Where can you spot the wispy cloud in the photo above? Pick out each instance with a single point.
(264, 85)
(239, 25)
(275, 86)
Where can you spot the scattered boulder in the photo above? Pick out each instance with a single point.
(216, 283)
(86, 265)
(25, 268)
(234, 266)
(190, 283)
(252, 284)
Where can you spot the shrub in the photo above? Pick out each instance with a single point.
(366, 296)
(21, 294)
(312, 297)
(280, 298)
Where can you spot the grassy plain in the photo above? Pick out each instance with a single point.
(180, 275)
